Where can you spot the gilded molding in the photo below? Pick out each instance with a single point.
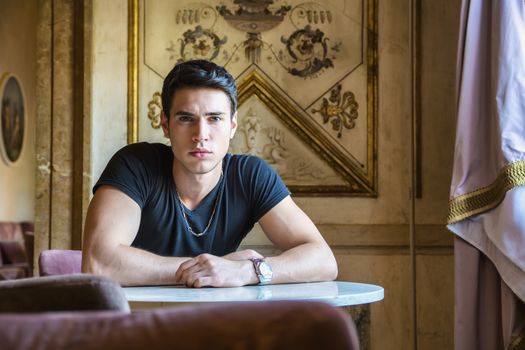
(154, 109)
(133, 71)
(489, 197)
(372, 91)
(306, 130)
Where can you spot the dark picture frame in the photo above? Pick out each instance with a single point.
(12, 119)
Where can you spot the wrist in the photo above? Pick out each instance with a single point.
(263, 270)
(251, 275)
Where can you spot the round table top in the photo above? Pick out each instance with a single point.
(335, 293)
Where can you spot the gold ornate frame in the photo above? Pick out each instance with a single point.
(359, 184)
(133, 71)
(255, 85)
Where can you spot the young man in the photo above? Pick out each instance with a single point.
(177, 215)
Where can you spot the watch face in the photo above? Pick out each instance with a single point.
(265, 270)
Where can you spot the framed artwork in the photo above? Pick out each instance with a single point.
(12, 124)
(306, 72)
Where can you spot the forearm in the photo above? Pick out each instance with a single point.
(309, 262)
(131, 266)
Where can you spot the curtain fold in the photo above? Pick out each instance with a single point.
(487, 205)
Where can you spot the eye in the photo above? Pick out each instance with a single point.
(185, 118)
(215, 118)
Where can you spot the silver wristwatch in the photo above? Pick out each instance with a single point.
(263, 270)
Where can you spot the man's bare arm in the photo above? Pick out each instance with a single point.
(112, 223)
(305, 255)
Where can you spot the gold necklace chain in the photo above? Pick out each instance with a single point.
(186, 219)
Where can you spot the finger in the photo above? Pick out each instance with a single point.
(205, 281)
(192, 279)
(183, 267)
(185, 274)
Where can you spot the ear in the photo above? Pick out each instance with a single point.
(164, 123)
(233, 125)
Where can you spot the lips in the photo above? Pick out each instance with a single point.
(200, 153)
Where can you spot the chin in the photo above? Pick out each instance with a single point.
(202, 169)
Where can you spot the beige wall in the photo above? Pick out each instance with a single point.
(109, 89)
(17, 56)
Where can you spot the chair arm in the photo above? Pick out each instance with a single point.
(61, 293)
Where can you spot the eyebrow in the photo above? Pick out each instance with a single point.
(186, 113)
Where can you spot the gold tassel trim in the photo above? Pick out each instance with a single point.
(518, 342)
(489, 197)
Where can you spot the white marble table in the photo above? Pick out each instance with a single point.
(334, 293)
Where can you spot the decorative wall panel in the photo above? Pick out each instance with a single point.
(307, 77)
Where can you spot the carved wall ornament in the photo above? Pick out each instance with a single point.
(340, 111)
(295, 57)
(194, 15)
(269, 143)
(198, 43)
(154, 109)
(305, 53)
(253, 17)
(308, 49)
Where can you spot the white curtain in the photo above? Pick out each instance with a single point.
(487, 206)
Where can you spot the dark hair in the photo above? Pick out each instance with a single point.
(198, 74)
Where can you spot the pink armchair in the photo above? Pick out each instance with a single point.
(56, 262)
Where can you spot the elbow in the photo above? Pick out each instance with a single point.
(92, 264)
(332, 271)
(89, 264)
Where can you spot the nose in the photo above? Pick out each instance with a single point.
(201, 131)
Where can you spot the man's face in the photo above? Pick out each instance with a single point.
(200, 127)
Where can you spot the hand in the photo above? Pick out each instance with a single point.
(246, 254)
(213, 271)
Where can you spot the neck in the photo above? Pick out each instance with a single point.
(192, 188)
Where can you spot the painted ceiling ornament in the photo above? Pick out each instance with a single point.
(340, 111)
(198, 43)
(308, 49)
(154, 109)
(253, 17)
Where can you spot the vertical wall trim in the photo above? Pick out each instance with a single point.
(87, 110)
(414, 180)
(50, 139)
(133, 70)
(44, 112)
(78, 123)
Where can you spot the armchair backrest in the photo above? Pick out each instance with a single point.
(62, 293)
(59, 262)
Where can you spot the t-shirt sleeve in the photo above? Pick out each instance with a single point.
(129, 170)
(267, 188)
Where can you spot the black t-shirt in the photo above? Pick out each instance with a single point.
(247, 190)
